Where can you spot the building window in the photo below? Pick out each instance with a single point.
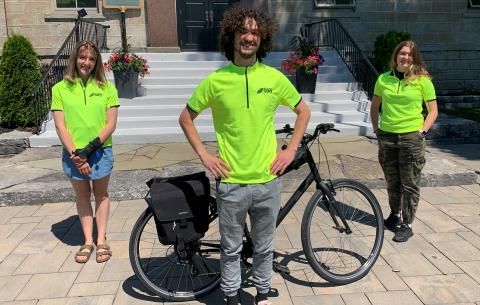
(474, 3)
(337, 3)
(76, 3)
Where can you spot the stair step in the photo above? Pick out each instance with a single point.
(167, 110)
(175, 134)
(164, 116)
(204, 71)
(187, 80)
(331, 61)
(187, 90)
(163, 101)
(217, 56)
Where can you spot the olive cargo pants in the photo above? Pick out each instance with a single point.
(402, 157)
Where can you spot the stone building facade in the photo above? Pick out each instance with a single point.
(47, 26)
(447, 31)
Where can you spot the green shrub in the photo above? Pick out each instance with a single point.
(384, 46)
(19, 73)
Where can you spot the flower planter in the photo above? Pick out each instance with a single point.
(305, 82)
(126, 83)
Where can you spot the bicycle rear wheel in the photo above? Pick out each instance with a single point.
(336, 255)
(164, 272)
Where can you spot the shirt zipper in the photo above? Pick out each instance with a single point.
(84, 88)
(246, 82)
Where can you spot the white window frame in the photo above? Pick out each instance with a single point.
(322, 4)
(474, 5)
(76, 7)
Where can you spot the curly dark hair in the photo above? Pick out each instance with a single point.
(233, 20)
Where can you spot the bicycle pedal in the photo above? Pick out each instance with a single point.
(280, 268)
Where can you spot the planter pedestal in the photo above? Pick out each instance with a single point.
(126, 83)
(305, 82)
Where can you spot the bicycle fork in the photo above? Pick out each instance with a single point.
(331, 204)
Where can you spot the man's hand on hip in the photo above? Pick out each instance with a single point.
(282, 161)
(215, 165)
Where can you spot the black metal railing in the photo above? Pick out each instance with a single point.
(331, 33)
(42, 94)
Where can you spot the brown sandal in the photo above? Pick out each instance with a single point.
(85, 254)
(103, 250)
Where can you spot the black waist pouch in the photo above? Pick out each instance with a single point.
(181, 207)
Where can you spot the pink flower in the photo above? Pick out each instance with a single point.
(121, 61)
(300, 60)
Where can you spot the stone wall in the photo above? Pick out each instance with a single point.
(454, 71)
(447, 31)
(458, 101)
(47, 27)
(3, 27)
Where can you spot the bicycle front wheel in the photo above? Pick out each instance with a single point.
(338, 253)
(164, 272)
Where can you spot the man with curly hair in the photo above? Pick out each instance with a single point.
(243, 97)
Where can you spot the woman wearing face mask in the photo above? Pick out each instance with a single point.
(401, 92)
(84, 107)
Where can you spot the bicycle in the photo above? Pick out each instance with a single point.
(341, 234)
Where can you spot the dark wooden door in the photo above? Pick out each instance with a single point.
(199, 23)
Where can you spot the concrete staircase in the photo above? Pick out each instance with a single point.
(153, 116)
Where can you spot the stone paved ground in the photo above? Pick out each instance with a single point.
(439, 265)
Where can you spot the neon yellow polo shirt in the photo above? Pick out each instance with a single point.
(84, 108)
(243, 102)
(402, 102)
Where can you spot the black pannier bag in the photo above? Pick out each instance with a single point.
(181, 207)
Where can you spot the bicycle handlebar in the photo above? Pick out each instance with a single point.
(322, 128)
(285, 129)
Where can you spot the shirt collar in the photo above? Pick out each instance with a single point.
(79, 80)
(239, 69)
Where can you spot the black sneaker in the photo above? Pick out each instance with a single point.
(391, 222)
(261, 297)
(403, 233)
(232, 300)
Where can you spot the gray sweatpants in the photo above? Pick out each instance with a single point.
(261, 202)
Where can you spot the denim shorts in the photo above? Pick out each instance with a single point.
(101, 163)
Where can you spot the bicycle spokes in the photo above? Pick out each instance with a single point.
(343, 237)
(175, 273)
(331, 208)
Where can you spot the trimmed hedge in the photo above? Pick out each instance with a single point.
(19, 73)
(384, 46)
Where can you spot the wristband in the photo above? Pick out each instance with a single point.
(93, 146)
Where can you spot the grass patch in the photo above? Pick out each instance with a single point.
(466, 113)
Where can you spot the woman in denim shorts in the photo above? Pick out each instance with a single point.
(84, 107)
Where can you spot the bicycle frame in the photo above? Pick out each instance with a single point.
(314, 175)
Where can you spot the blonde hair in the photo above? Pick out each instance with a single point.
(418, 67)
(98, 73)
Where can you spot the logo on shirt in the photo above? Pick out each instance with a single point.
(265, 90)
(95, 94)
